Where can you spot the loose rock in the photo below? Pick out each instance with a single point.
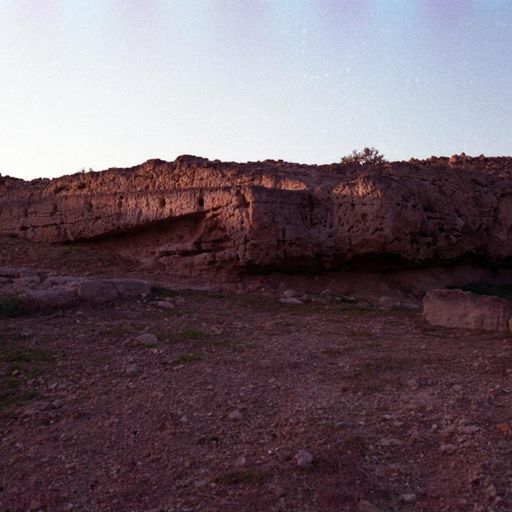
(291, 300)
(290, 293)
(304, 459)
(146, 338)
(133, 370)
(235, 415)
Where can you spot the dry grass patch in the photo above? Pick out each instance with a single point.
(188, 357)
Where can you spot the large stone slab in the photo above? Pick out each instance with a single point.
(56, 297)
(97, 291)
(457, 308)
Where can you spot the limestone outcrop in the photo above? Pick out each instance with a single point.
(193, 214)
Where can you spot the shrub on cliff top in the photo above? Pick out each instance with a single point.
(366, 156)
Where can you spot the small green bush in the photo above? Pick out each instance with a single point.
(364, 157)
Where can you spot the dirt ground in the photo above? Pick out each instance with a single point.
(398, 415)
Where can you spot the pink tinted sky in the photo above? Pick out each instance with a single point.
(101, 83)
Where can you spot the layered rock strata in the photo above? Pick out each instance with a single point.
(193, 214)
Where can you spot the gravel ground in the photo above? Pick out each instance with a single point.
(216, 410)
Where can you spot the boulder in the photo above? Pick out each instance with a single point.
(130, 288)
(56, 297)
(98, 291)
(457, 308)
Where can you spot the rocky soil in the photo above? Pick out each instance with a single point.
(230, 399)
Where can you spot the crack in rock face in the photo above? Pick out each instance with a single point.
(194, 214)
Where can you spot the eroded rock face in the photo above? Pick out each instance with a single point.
(457, 308)
(194, 214)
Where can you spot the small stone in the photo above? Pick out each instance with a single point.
(414, 436)
(448, 448)
(133, 369)
(304, 459)
(504, 428)
(408, 497)
(290, 293)
(491, 491)
(290, 300)
(457, 388)
(468, 429)
(147, 338)
(241, 462)
(411, 306)
(35, 505)
(165, 304)
(412, 383)
(235, 415)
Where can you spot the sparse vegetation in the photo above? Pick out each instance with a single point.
(192, 335)
(189, 357)
(12, 307)
(12, 393)
(334, 376)
(21, 365)
(364, 157)
(26, 355)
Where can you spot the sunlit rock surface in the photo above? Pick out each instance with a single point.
(193, 214)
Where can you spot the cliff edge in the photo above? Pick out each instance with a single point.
(194, 214)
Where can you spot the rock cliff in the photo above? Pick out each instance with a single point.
(193, 214)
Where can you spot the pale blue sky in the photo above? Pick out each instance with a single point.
(100, 83)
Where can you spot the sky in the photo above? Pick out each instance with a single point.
(112, 83)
